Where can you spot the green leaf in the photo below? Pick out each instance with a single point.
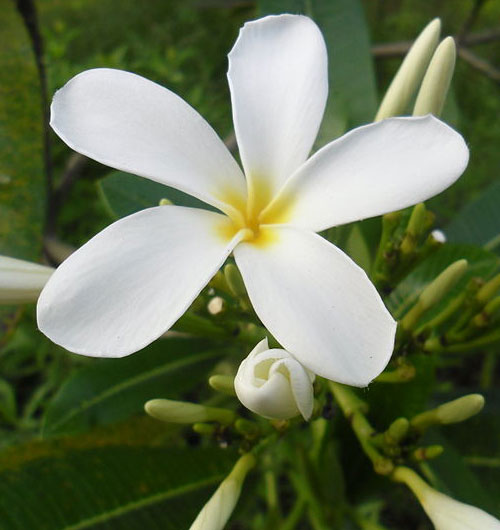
(110, 390)
(353, 94)
(21, 147)
(481, 263)
(112, 488)
(124, 194)
(479, 222)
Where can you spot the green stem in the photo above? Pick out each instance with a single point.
(353, 409)
(295, 515)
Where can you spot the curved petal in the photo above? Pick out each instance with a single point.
(279, 85)
(133, 280)
(319, 305)
(373, 170)
(127, 122)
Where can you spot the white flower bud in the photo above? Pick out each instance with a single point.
(219, 508)
(439, 236)
(448, 514)
(445, 513)
(21, 281)
(274, 384)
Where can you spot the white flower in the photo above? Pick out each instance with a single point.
(274, 384)
(21, 281)
(439, 236)
(219, 508)
(131, 282)
(446, 513)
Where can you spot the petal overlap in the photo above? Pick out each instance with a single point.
(319, 305)
(130, 123)
(132, 281)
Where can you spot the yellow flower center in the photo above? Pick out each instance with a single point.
(248, 215)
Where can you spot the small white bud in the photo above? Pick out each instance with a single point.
(21, 281)
(219, 508)
(274, 384)
(439, 236)
(216, 305)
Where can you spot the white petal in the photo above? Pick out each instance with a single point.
(318, 304)
(21, 281)
(279, 85)
(127, 122)
(133, 280)
(373, 170)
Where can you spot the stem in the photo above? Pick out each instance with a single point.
(352, 407)
(295, 515)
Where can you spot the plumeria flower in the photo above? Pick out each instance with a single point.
(21, 281)
(132, 281)
(274, 384)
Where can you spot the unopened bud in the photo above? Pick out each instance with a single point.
(397, 431)
(460, 409)
(247, 428)
(454, 411)
(205, 429)
(444, 512)
(410, 73)
(219, 508)
(216, 305)
(439, 287)
(437, 79)
(272, 383)
(181, 412)
(223, 384)
(422, 454)
(21, 281)
(166, 202)
(488, 290)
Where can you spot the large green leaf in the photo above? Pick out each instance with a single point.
(21, 147)
(110, 390)
(353, 94)
(124, 194)
(479, 222)
(111, 488)
(481, 263)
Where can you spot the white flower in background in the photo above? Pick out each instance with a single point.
(439, 236)
(216, 512)
(446, 513)
(274, 384)
(132, 281)
(21, 281)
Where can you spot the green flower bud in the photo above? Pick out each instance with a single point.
(460, 409)
(223, 384)
(410, 73)
(166, 202)
(234, 280)
(181, 412)
(436, 83)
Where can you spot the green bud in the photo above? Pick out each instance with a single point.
(416, 226)
(397, 431)
(410, 73)
(181, 412)
(490, 311)
(223, 384)
(460, 409)
(247, 428)
(234, 280)
(205, 429)
(166, 202)
(427, 453)
(454, 411)
(439, 287)
(488, 290)
(434, 292)
(436, 83)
